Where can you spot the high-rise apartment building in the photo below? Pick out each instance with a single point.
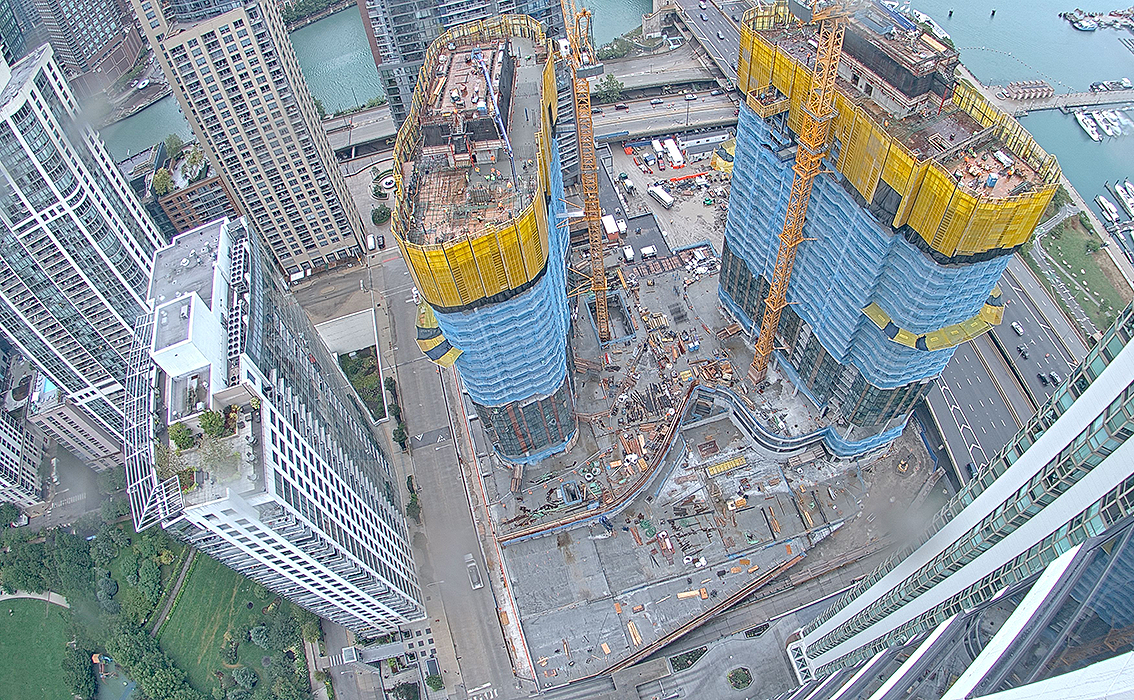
(480, 218)
(235, 75)
(400, 31)
(95, 41)
(13, 43)
(76, 249)
(21, 449)
(929, 190)
(296, 493)
(1065, 478)
(196, 194)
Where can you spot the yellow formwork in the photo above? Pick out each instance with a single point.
(496, 259)
(953, 220)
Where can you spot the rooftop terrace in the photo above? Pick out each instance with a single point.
(461, 179)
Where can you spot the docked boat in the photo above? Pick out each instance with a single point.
(1085, 25)
(1088, 125)
(1111, 117)
(1109, 211)
(1104, 123)
(1126, 196)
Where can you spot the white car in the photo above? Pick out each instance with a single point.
(474, 572)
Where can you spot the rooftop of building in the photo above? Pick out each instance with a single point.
(186, 265)
(937, 129)
(901, 38)
(461, 179)
(24, 70)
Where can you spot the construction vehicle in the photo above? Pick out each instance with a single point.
(814, 141)
(577, 24)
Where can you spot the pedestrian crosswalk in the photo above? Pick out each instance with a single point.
(483, 693)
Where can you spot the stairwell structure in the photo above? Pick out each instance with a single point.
(925, 192)
(480, 219)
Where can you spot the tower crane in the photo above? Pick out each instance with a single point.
(578, 28)
(814, 142)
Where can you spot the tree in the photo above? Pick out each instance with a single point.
(112, 509)
(173, 146)
(413, 508)
(24, 567)
(399, 436)
(71, 557)
(112, 480)
(181, 436)
(78, 672)
(9, 513)
(195, 157)
(212, 423)
(320, 108)
(149, 580)
(162, 182)
(259, 636)
(609, 89)
(380, 214)
(435, 682)
(245, 677)
(406, 691)
(238, 693)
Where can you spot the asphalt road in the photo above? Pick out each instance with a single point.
(1051, 344)
(717, 33)
(970, 410)
(674, 114)
(448, 533)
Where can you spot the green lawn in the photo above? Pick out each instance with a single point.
(1092, 277)
(214, 601)
(31, 651)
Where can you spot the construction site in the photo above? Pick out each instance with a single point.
(645, 467)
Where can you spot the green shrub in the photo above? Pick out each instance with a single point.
(181, 436)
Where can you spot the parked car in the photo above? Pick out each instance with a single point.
(474, 572)
(714, 93)
(381, 242)
(596, 110)
(621, 106)
(720, 36)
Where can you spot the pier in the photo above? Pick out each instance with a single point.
(1066, 102)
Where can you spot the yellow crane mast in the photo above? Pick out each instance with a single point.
(578, 28)
(814, 133)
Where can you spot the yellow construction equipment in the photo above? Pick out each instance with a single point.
(582, 61)
(814, 134)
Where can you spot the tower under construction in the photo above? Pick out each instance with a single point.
(479, 217)
(925, 191)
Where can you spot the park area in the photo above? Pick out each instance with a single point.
(32, 640)
(217, 607)
(1087, 270)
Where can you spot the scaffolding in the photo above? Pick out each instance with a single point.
(944, 189)
(813, 145)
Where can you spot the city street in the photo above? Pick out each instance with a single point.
(447, 533)
(709, 33)
(673, 114)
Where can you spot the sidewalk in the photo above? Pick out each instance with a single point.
(53, 598)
